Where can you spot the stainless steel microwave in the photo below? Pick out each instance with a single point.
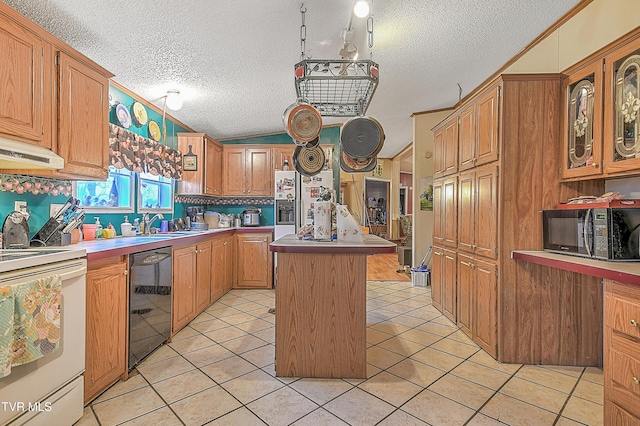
(599, 233)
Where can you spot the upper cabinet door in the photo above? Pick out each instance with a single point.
(259, 172)
(438, 153)
(622, 112)
(467, 138)
(26, 95)
(83, 119)
(487, 125)
(582, 124)
(209, 168)
(450, 142)
(233, 171)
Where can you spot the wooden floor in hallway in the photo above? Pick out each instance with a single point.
(384, 267)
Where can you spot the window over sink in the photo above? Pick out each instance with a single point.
(114, 195)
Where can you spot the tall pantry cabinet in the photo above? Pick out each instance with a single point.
(490, 204)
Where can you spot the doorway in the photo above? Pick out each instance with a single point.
(376, 206)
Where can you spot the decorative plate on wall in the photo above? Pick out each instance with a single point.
(123, 116)
(140, 116)
(154, 131)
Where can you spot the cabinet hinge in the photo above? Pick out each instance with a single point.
(57, 60)
(496, 256)
(604, 67)
(496, 273)
(43, 52)
(43, 130)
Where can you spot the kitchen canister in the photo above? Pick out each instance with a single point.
(322, 220)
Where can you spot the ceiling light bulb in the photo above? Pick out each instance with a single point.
(361, 9)
(173, 100)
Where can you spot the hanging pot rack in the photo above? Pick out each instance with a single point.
(336, 87)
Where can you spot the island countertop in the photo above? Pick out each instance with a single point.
(372, 244)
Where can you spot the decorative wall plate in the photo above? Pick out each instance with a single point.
(140, 116)
(123, 116)
(154, 131)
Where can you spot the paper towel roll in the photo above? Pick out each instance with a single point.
(348, 228)
(322, 220)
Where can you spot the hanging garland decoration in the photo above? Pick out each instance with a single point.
(21, 184)
(128, 150)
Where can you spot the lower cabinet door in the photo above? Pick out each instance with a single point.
(465, 293)
(485, 319)
(203, 276)
(184, 278)
(106, 328)
(255, 265)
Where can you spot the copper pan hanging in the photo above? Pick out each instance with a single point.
(355, 165)
(302, 122)
(308, 161)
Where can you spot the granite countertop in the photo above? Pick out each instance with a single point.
(372, 244)
(624, 272)
(102, 248)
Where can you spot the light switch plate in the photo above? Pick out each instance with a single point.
(54, 209)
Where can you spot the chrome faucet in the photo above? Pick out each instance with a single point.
(147, 222)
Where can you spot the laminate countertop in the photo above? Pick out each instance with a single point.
(103, 248)
(624, 272)
(372, 244)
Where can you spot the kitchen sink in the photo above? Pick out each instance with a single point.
(171, 234)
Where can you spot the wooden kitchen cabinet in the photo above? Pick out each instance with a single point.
(438, 152)
(254, 261)
(106, 324)
(281, 153)
(83, 133)
(485, 212)
(621, 349)
(203, 276)
(184, 281)
(621, 121)
(26, 98)
(477, 301)
(467, 138)
(222, 258)
(437, 277)
(450, 217)
(438, 212)
(487, 147)
(450, 285)
(207, 179)
(582, 122)
(450, 144)
(247, 171)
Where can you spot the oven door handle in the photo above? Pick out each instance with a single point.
(585, 232)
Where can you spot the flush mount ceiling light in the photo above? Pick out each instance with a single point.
(173, 100)
(361, 9)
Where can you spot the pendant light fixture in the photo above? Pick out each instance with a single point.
(173, 100)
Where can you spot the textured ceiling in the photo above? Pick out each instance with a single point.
(233, 60)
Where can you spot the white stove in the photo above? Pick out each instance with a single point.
(13, 259)
(49, 390)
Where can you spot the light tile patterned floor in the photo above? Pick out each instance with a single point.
(421, 370)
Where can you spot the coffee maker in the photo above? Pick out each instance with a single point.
(195, 214)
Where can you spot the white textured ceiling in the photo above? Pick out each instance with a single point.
(233, 60)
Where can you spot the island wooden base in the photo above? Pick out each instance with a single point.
(321, 315)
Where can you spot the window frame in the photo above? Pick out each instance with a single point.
(171, 184)
(105, 209)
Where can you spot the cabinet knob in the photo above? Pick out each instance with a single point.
(225, 243)
(264, 241)
(249, 191)
(634, 323)
(636, 381)
(595, 165)
(126, 272)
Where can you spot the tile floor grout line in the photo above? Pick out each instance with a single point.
(569, 397)
(493, 395)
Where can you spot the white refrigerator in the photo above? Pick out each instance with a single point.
(284, 209)
(310, 189)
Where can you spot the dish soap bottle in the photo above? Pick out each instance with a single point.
(285, 166)
(98, 227)
(125, 227)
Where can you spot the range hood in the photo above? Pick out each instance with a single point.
(22, 155)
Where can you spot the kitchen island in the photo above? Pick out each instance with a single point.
(321, 306)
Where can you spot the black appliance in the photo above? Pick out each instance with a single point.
(285, 212)
(607, 233)
(149, 302)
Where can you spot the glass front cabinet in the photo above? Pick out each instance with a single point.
(622, 111)
(582, 124)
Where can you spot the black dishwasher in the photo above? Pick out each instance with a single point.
(149, 302)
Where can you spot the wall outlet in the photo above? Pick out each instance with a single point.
(54, 209)
(20, 206)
